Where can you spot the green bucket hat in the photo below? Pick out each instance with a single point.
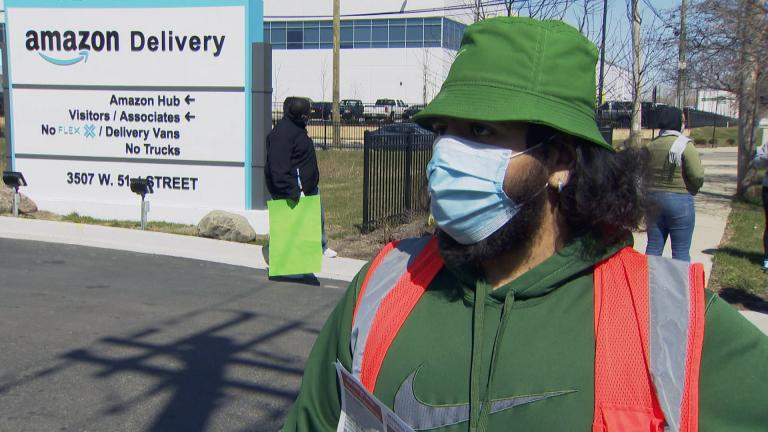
(521, 69)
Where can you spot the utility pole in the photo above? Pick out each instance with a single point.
(336, 117)
(634, 132)
(602, 56)
(681, 64)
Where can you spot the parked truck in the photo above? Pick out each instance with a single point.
(351, 110)
(385, 109)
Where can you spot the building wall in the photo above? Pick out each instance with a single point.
(366, 74)
(410, 74)
(718, 102)
(617, 85)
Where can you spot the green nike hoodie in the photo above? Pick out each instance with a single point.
(533, 345)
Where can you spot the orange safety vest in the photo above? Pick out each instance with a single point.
(649, 331)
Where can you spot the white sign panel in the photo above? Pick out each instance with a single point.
(158, 125)
(161, 90)
(202, 46)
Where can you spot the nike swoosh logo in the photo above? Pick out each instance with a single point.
(422, 416)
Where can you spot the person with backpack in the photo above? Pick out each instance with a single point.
(528, 309)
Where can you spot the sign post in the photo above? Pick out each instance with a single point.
(101, 93)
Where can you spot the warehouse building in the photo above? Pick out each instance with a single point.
(383, 55)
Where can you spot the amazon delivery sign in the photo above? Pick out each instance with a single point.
(105, 91)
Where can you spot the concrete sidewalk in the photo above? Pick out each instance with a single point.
(244, 255)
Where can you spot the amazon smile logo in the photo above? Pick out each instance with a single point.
(70, 47)
(424, 416)
(82, 56)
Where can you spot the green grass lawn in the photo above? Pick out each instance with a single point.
(341, 188)
(724, 136)
(737, 265)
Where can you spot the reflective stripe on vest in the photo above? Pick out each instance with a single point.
(649, 324)
(646, 310)
(397, 278)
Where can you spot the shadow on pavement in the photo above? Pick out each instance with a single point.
(737, 296)
(197, 371)
(308, 279)
(749, 301)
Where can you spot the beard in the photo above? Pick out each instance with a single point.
(517, 234)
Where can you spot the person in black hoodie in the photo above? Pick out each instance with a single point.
(291, 161)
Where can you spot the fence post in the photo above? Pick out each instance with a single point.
(366, 180)
(408, 180)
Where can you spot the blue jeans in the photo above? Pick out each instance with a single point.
(675, 219)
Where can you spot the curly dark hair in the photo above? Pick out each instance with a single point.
(607, 192)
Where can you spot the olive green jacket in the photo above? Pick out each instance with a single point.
(666, 177)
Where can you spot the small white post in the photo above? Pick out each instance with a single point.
(16, 200)
(144, 211)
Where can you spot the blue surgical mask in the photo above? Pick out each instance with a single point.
(466, 184)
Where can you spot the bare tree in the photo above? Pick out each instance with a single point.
(477, 9)
(585, 16)
(509, 5)
(634, 132)
(549, 9)
(728, 50)
(644, 54)
(276, 92)
(323, 77)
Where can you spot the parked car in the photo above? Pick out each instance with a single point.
(401, 129)
(399, 135)
(385, 109)
(351, 109)
(320, 110)
(411, 111)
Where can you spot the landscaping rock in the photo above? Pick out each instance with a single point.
(26, 205)
(226, 226)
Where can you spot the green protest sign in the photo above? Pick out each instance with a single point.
(295, 245)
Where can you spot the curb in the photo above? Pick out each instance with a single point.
(147, 242)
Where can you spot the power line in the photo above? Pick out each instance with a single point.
(489, 3)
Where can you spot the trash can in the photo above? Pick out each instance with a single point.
(607, 133)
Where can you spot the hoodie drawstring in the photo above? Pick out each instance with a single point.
(485, 413)
(481, 291)
(480, 411)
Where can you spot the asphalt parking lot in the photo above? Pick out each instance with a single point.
(101, 340)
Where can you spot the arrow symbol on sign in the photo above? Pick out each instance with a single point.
(189, 116)
(189, 99)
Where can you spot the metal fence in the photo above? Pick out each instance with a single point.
(351, 134)
(394, 177)
(695, 118)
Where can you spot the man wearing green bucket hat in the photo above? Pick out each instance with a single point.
(528, 309)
